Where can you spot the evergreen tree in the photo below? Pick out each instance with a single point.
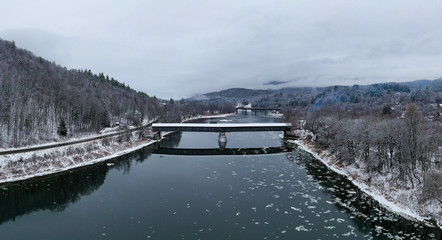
(62, 130)
(386, 110)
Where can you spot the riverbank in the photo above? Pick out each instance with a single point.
(18, 167)
(27, 165)
(401, 201)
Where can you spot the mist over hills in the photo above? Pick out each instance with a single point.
(420, 91)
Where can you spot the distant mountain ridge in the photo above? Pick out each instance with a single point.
(303, 96)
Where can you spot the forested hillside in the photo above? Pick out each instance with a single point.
(354, 99)
(39, 100)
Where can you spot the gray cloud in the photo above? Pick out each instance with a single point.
(181, 48)
(275, 82)
(42, 43)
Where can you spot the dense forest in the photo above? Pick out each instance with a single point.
(41, 101)
(356, 98)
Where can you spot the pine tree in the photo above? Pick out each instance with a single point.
(386, 110)
(62, 130)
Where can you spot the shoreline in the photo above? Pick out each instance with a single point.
(118, 153)
(389, 205)
(83, 164)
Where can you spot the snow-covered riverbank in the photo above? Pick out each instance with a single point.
(17, 167)
(22, 166)
(208, 116)
(401, 201)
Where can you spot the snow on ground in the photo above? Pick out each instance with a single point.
(403, 202)
(109, 129)
(101, 133)
(208, 116)
(21, 166)
(16, 167)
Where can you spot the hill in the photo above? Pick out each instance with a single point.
(38, 97)
(423, 92)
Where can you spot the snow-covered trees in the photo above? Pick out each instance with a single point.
(406, 148)
(36, 94)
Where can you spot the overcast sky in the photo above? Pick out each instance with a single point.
(182, 48)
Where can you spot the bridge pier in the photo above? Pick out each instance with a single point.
(222, 140)
(222, 137)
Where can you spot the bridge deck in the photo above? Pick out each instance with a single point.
(221, 127)
(259, 109)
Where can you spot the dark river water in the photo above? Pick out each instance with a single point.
(145, 195)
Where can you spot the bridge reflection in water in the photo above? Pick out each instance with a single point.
(222, 151)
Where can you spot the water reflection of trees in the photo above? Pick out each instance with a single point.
(56, 192)
(367, 212)
(172, 140)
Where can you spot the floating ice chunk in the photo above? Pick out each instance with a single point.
(378, 229)
(296, 209)
(302, 228)
(269, 205)
(340, 220)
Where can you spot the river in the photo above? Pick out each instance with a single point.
(144, 195)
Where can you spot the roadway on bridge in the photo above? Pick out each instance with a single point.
(221, 127)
